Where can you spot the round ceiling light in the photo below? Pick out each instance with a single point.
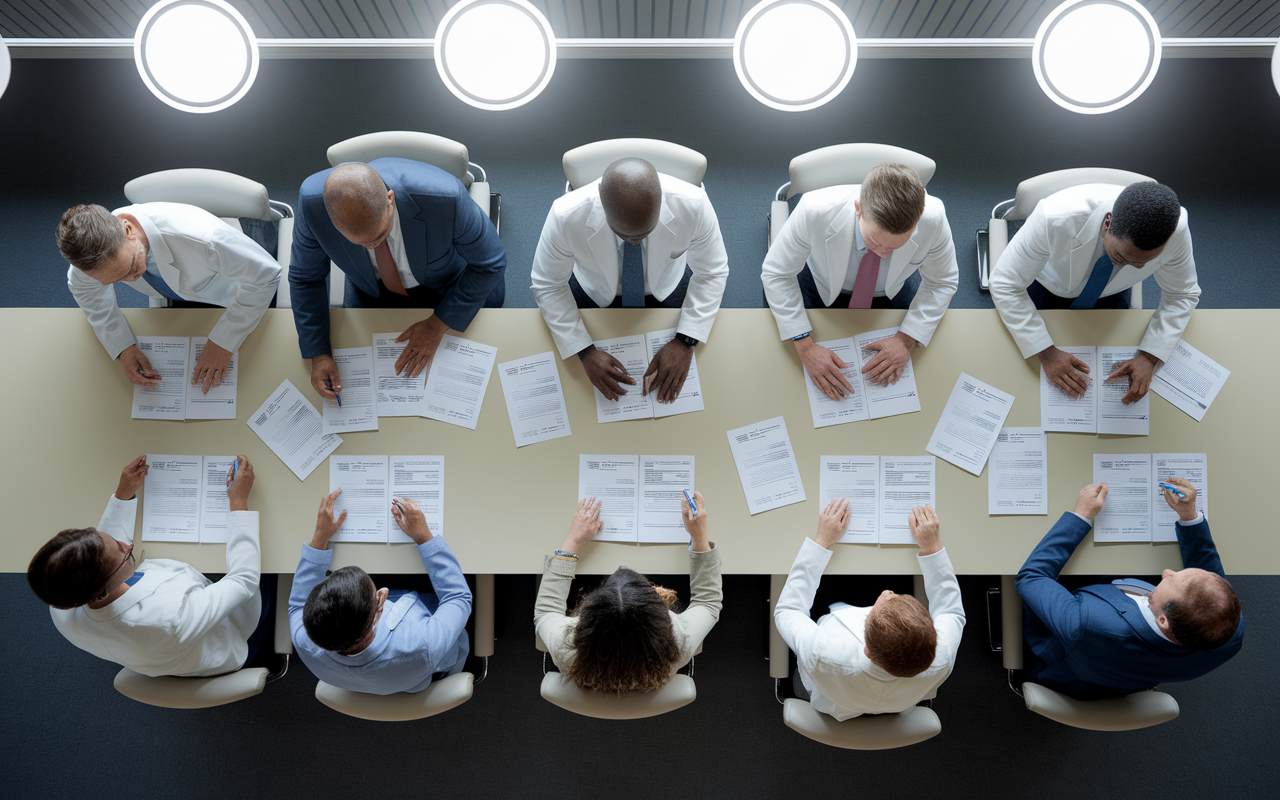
(1275, 67)
(794, 55)
(4, 66)
(495, 54)
(196, 55)
(1094, 56)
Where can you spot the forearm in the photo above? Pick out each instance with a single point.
(312, 566)
(99, 306)
(119, 518)
(447, 580)
(705, 586)
(941, 586)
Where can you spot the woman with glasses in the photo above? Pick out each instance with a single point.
(160, 617)
(626, 635)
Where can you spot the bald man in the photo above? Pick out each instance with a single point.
(407, 235)
(628, 240)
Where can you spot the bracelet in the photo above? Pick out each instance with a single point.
(804, 335)
(566, 555)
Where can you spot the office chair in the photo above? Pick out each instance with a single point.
(993, 239)
(173, 692)
(225, 195)
(1128, 713)
(587, 163)
(557, 689)
(837, 165)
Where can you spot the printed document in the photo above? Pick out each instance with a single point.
(970, 423)
(886, 401)
(1061, 412)
(358, 409)
(291, 427)
(363, 480)
(535, 399)
(1126, 514)
(397, 395)
(1100, 409)
(852, 407)
(635, 352)
(184, 499)
(421, 479)
(766, 465)
(214, 503)
(1113, 415)
(690, 397)
(613, 481)
(905, 482)
(856, 479)
(1190, 380)
(456, 383)
(1191, 467)
(174, 358)
(220, 402)
(1018, 478)
(642, 495)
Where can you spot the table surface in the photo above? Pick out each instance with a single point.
(506, 507)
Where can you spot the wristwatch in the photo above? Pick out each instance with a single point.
(686, 339)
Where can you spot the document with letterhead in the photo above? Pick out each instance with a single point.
(289, 425)
(970, 423)
(1190, 380)
(457, 380)
(1135, 509)
(635, 353)
(356, 408)
(640, 496)
(535, 399)
(175, 397)
(766, 465)
(1101, 408)
(184, 499)
(396, 395)
(1018, 473)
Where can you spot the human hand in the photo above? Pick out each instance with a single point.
(131, 478)
(326, 525)
(238, 489)
(696, 527)
(890, 360)
(324, 377)
(669, 368)
(833, 521)
(137, 368)
(584, 527)
(1065, 371)
(411, 520)
(606, 373)
(1185, 506)
(1140, 368)
(423, 338)
(824, 368)
(212, 366)
(924, 529)
(1089, 501)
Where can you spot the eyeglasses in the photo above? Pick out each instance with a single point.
(128, 558)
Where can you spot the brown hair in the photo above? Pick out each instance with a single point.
(1207, 615)
(901, 637)
(68, 571)
(623, 640)
(89, 235)
(892, 197)
(340, 609)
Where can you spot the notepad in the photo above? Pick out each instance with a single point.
(1100, 409)
(184, 499)
(1135, 510)
(635, 353)
(175, 397)
(639, 496)
(881, 491)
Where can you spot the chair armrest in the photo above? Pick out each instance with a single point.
(1010, 624)
(482, 647)
(479, 191)
(284, 248)
(1128, 713)
(337, 286)
(778, 212)
(997, 241)
(439, 697)
(284, 586)
(874, 732)
(558, 690)
(779, 662)
(171, 692)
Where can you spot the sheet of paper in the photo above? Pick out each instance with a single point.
(1060, 412)
(171, 499)
(167, 399)
(766, 465)
(1126, 514)
(1018, 477)
(1191, 467)
(690, 397)
(886, 401)
(905, 482)
(456, 383)
(630, 350)
(365, 497)
(970, 423)
(853, 407)
(534, 398)
(663, 480)
(612, 480)
(289, 425)
(214, 503)
(1190, 380)
(421, 479)
(220, 402)
(1113, 415)
(358, 410)
(856, 479)
(397, 395)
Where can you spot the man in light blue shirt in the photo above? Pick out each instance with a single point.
(363, 639)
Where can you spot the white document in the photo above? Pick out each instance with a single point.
(365, 497)
(852, 407)
(1190, 380)
(663, 482)
(690, 397)
(397, 395)
(886, 401)
(167, 399)
(856, 479)
(357, 406)
(640, 496)
(905, 482)
(535, 399)
(214, 503)
(1061, 412)
(220, 402)
(1191, 467)
(766, 465)
(1113, 415)
(456, 383)
(970, 423)
(171, 499)
(614, 481)
(1018, 477)
(635, 353)
(421, 479)
(1101, 409)
(1126, 514)
(291, 427)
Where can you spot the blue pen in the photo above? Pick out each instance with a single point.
(692, 505)
(329, 384)
(1173, 489)
(234, 466)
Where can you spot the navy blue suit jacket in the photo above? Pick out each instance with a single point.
(1095, 642)
(451, 245)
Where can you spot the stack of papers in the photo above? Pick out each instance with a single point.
(1018, 481)
(640, 496)
(184, 499)
(970, 423)
(1135, 510)
(1100, 409)
(766, 465)
(173, 358)
(535, 399)
(881, 491)
(1190, 380)
(292, 428)
(635, 353)
(869, 400)
(369, 483)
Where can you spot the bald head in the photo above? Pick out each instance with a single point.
(359, 203)
(631, 195)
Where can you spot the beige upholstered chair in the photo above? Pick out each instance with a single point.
(584, 164)
(560, 691)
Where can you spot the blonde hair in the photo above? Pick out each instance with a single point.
(892, 197)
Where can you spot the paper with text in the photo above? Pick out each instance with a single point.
(421, 479)
(690, 397)
(1113, 415)
(167, 399)
(766, 465)
(358, 410)
(640, 496)
(886, 401)
(905, 482)
(459, 376)
(365, 497)
(1018, 474)
(1126, 514)
(663, 482)
(1061, 412)
(612, 480)
(220, 402)
(856, 479)
(289, 425)
(1191, 467)
(171, 499)
(970, 423)
(396, 395)
(534, 398)
(1190, 380)
(630, 351)
(850, 408)
(214, 502)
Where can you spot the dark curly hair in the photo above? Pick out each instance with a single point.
(1146, 214)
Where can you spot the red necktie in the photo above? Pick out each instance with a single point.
(864, 286)
(387, 269)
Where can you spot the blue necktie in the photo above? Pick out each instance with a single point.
(152, 276)
(134, 578)
(1097, 282)
(1134, 586)
(632, 276)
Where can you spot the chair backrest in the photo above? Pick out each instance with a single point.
(428, 148)
(170, 692)
(1033, 190)
(222, 194)
(679, 691)
(849, 163)
(876, 732)
(440, 696)
(584, 164)
(1128, 713)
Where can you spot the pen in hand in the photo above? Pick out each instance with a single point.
(692, 505)
(329, 385)
(1171, 488)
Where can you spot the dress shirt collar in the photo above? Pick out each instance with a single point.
(1148, 615)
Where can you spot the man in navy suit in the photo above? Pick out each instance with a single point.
(1113, 639)
(407, 235)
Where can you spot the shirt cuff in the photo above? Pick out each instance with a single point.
(1199, 518)
(430, 546)
(321, 557)
(1082, 517)
(560, 566)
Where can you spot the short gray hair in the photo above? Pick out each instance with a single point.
(89, 235)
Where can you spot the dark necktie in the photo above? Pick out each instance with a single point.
(152, 276)
(1134, 586)
(632, 276)
(864, 285)
(387, 269)
(1098, 279)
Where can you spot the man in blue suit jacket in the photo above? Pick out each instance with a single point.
(1114, 639)
(407, 235)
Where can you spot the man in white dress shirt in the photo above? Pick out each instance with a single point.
(172, 251)
(877, 660)
(617, 240)
(1086, 247)
(845, 233)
